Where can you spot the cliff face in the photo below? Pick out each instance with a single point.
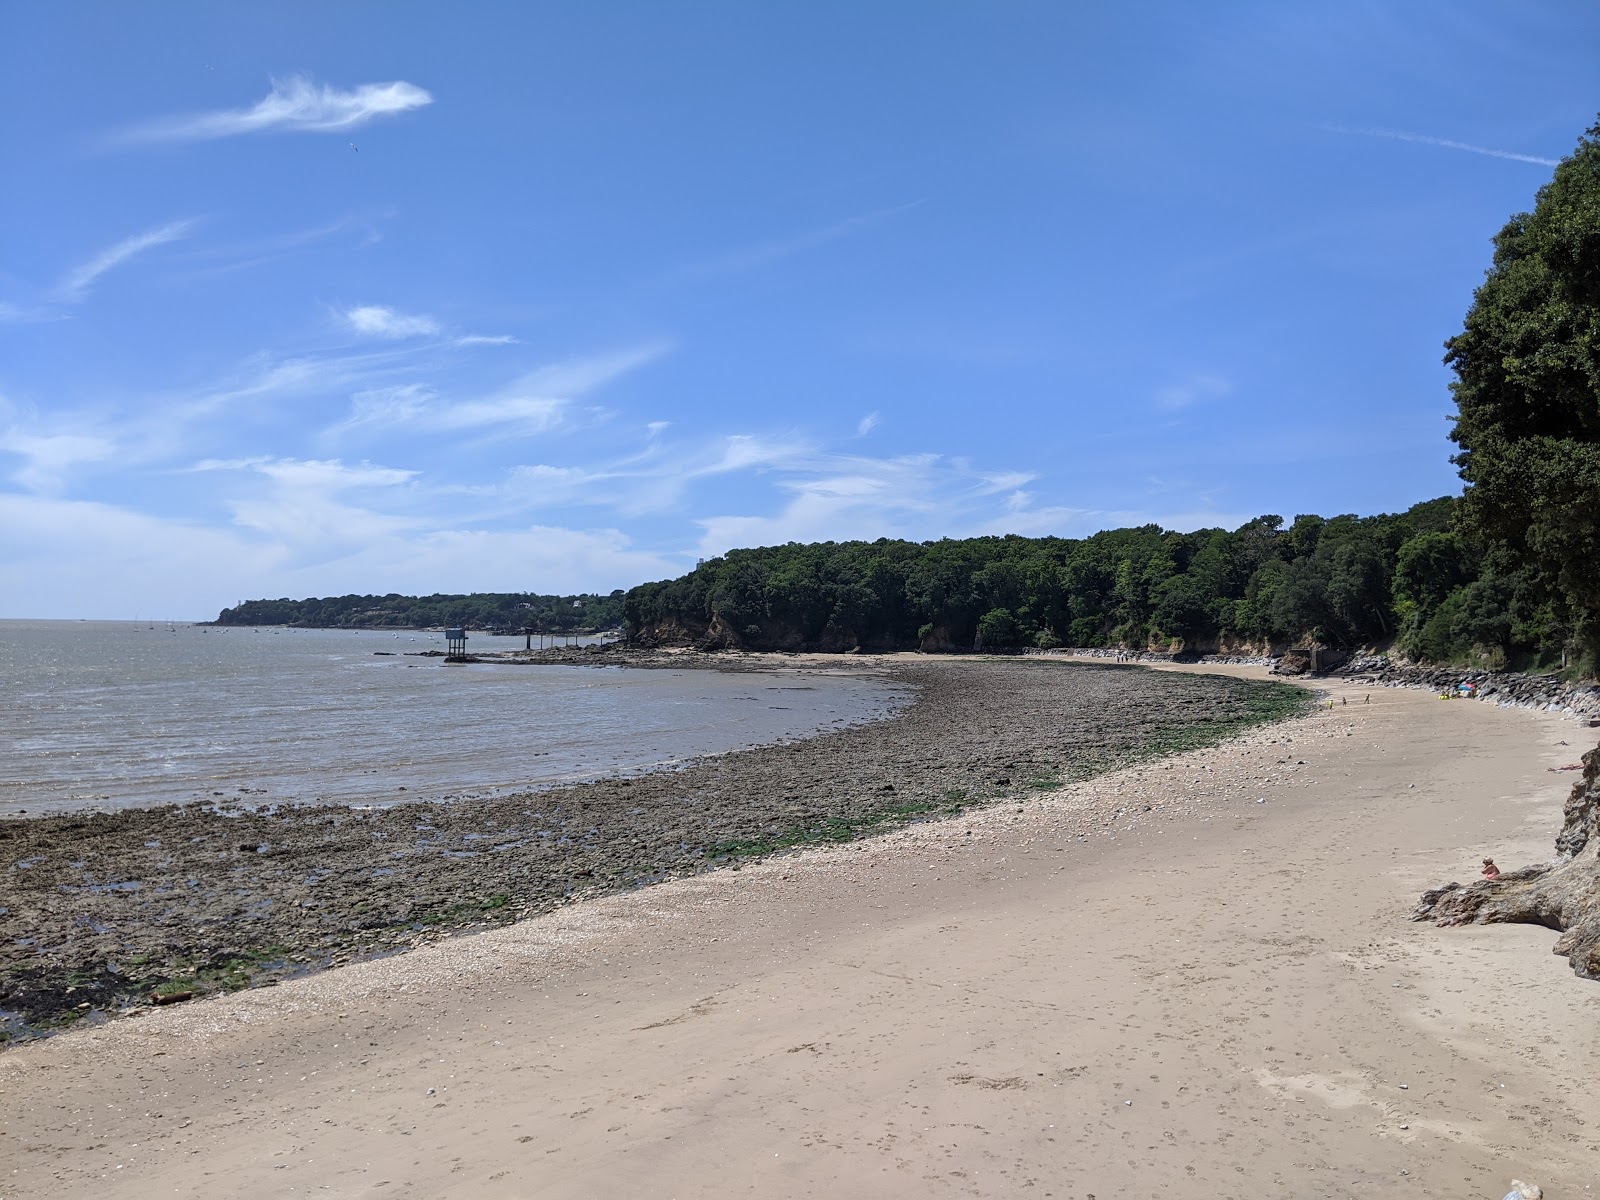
(1581, 828)
(671, 633)
(1564, 894)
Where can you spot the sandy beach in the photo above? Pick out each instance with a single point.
(1189, 978)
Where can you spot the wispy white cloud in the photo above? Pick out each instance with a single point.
(867, 424)
(75, 284)
(764, 254)
(301, 504)
(536, 402)
(841, 498)
(1061, 520)
(264, 376)
(47, 458)
(361, 230)
(189, 569)
(830, 497)
(1001, 481)
(381, 321)
(822, 493)
(68, 550)
(653, 480)
(323, 475)
(1053, 520)
(378, 321)
(162, 428)
(293, 104)
(838, 496)
(23, 314)
(1422, 139)
(1191, 390)
(387, 407)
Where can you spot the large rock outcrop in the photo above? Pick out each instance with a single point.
(1563, 894)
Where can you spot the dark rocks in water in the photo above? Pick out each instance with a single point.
(1562, 895)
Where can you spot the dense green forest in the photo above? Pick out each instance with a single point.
(1527, 393)
(1507, 574)
(1344, 581)
(483, 610)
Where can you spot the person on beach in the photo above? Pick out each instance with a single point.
(1490, 871)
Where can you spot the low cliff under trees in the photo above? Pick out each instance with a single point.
(1344, 581)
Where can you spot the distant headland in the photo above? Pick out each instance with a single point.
(507, 612)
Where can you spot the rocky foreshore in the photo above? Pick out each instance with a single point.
(107, 911)
(1511, 689)
(1149, 656)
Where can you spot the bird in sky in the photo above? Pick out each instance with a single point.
(355, 147)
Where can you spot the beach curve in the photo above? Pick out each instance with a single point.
(1064, 996)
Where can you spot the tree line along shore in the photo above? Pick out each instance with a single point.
(1416, 579)
(510, 612)
(1507, 575)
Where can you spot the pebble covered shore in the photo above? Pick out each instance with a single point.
(1507, 689)
(111, 910)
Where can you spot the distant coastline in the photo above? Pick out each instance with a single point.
(585, 613)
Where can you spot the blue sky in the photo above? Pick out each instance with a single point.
(307, 299)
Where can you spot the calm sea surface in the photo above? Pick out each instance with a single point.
(108, 714)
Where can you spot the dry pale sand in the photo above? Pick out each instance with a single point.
(1074, 998)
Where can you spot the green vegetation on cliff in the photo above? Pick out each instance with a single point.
(1527, 392)
(483, 610)
(1343, 581)
(1507, 575)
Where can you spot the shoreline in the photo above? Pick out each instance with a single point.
(112, 911)
(1066, 996)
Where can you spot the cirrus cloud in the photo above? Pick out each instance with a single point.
(75, 284)
(295, 104)
(376, 320)
(534, 402)
(1423, 139)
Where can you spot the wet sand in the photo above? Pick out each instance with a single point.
(1067, 996)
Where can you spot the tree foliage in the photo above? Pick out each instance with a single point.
(508, 611)
(1527, 393)
(1343, 581)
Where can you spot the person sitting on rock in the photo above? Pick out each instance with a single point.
(1490, 871)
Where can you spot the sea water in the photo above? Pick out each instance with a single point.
(112, 714)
